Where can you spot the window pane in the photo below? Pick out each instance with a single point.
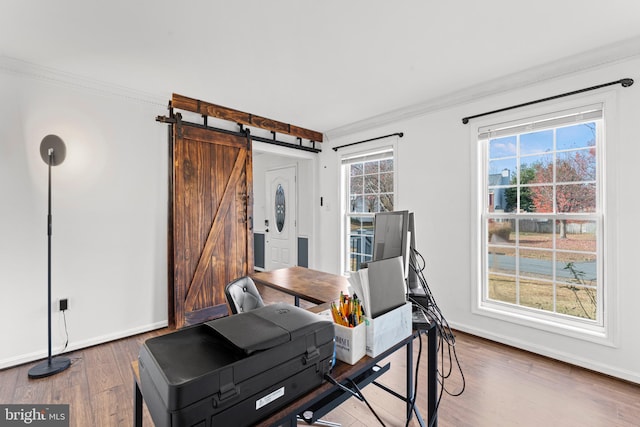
(386, 202)
(354, 264)
(360, 244)
(386, 165)
(372, 167)
(541, 198)
(356, 261)
(536, 294)
(536, 142)
(576, 198)
(536, 169)
(502, 147)
(501, 171)
(577, 301)
(502, 288)
(536, 233)
(361, 225)
(356, 204)
(372, 203)
(577, 269)
(357, 169)
(356, 186)
(576, 235)
(535, 264)
(579, 165)
(502, 260)
(500, 232)
(577, 136)
(526, 202)
(506, 198)
(371, 184)
(386, 182)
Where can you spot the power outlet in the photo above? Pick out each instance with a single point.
(64, 304)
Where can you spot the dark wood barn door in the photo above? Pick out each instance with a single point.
(211, 241)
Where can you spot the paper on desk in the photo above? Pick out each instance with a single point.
(359, 281)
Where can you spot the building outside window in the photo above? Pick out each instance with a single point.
(368, 188)
(542, 218)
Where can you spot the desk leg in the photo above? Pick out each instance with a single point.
(432, 378)
(137, 405)
(409, 394)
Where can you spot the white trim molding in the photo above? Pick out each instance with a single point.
(583, 61)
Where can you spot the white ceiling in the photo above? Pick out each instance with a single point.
(320, 64)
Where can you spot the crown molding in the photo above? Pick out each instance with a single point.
(15, 66)
(595, 58)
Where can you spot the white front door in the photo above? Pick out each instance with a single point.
(280, 230)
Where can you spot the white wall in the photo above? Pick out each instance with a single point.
(435, 181)
(109, 213)
(110, 202)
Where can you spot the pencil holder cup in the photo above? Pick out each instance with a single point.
(351, 343)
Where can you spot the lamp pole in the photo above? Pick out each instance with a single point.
(53, 152)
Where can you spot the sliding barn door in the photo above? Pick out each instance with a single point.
(210, 225)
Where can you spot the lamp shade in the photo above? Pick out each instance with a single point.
(55, 143)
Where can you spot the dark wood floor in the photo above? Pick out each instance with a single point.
(504, 387)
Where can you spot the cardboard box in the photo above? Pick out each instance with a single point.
(351, 343)
(388, 329)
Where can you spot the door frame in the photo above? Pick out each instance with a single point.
(307, 176)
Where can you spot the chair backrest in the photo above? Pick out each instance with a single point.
(242, 295)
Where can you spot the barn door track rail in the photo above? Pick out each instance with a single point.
(242, 119)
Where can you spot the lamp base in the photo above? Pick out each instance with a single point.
(46, 368)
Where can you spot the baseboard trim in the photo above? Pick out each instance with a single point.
(571, 359)
(31, 357)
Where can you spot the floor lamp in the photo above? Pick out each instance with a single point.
(53, 152)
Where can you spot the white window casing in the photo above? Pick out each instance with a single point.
(596, 108)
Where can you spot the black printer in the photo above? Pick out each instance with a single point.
(235, 370)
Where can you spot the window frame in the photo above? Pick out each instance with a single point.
(371, 149)
(602, 331)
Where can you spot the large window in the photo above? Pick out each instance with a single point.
(542, 217)
(368, 188)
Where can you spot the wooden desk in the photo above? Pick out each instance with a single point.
(328, 396)
(304, 283)
(321, 288)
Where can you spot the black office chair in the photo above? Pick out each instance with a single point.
(242, 295)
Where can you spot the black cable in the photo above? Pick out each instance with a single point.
(446, 336)
(342, 387)
(364, 399)
(66, 332)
